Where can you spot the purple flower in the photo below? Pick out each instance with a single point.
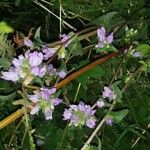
(10, 75)
(67, 114)
(48, 52)
(44, 100)
(80, 114)
(52, 91)
(28, 42)
(108, 93)
(51, 70)
(34, 98)
(35, 71)
(64, 38)
(42, 71)
(35, 59)
(34, 110)
(109, 121)
(90, 123)
(137, 55)
(100, 104)
(39, 142)
(30, 64)
(103, 39)
(39, 71)
(48, 113)
(18, 62)
(62, 74)
(56, 101)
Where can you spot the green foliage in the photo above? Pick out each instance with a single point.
(5, 28)
(131, 114)
(6, 48)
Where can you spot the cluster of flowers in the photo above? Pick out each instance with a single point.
(31, 65)
(77, 115)
(109, 94)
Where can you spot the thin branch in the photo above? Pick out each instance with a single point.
(62, 83)
(110, 109)
(67, 24)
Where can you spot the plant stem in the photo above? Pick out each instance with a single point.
(104, 118)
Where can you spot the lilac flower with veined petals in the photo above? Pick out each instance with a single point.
(10, 75)
(52, 90)
(103, 39)
(48, 113)
(80, 114)
(35, 71)
(64, 38)
(35, 110)
(45, 94)
(101, 33)
(34, 98)
(44, 100)
(28, 42)
(108, 93)
(109, 121)
(137, 54)
(56, 101)
(18, 62)
(42, 71)
(110, 38)
(39, 71)
(62, 74)
(39, 142)
(67, 114)
(24, 66)
(100, 104)
(35, 58)
(90, 123)
(51, 70)
(48, 52)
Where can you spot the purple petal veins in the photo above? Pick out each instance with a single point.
(48, 52)
(80, 114)
(62, 74)
(35, 59)
(103, 39)
(108, 93)
(64, 38)
(28, 42)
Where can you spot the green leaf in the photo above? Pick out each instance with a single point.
(38, 41)
(37, 34)
(143, 48)
(21, 102)
(5, 28)
(106, 49)
(86, 77)
(75, 47)
(119, 115)
(6, 86)
(104, 20)
(8, 97)
(5, 63)
(117, 91)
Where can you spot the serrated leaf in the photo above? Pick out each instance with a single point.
(21, 102)
(5, 63)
